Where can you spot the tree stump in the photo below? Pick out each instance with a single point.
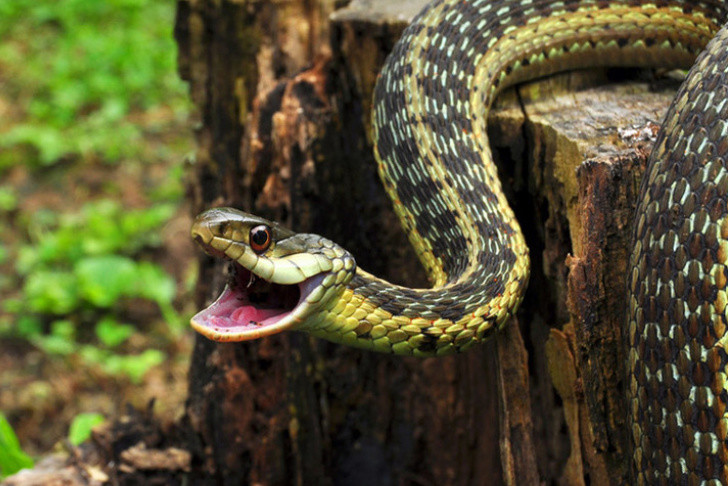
(283, 92)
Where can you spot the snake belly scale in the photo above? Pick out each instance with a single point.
(430, 113)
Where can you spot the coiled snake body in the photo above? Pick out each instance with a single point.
(430, 114)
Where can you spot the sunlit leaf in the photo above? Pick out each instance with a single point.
(82, 425)
(12, 457)
(52, 344)
(111, 332)
(63, 328)
(135, 367)
(154, 283)
(54, 292)
(8, 199)
(103, 279)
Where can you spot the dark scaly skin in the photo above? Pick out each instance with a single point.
(430, 114)
(677, 289)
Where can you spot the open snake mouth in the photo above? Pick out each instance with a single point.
(251, 307)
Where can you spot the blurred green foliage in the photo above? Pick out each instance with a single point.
(81, 427)
(79, 68)
(12, 457)
(89, 83)
(82, 267)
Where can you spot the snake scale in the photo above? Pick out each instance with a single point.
(431, 106)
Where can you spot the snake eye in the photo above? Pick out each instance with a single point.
(260, 238)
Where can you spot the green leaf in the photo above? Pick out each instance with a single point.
(93, 355)
(135, 367)
(28, 326)
(111, 332)
(49, 141)
(61, 340)
(103, 279)
(154, 283)
(83, 423)
(53, 292)
(8, 199)
(64, 329)
(12, 457)
(12, 305)
(52, 344)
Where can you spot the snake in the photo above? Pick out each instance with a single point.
(430, 140)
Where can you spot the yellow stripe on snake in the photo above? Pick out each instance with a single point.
(430, 112)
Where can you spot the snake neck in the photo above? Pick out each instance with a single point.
(373, 314)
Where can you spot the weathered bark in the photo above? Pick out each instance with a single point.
(283, 96)
(586, 150)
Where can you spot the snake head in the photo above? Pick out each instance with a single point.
(278, 278)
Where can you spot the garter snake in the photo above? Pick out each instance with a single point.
(430, 141)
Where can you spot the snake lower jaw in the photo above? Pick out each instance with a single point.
(250, 308)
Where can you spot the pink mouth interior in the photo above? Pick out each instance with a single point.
(230, 313)
(247, 307)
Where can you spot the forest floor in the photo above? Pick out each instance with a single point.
(96, 263)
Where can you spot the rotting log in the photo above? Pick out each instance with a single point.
(283, 92)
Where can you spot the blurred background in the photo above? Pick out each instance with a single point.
(96, 264)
